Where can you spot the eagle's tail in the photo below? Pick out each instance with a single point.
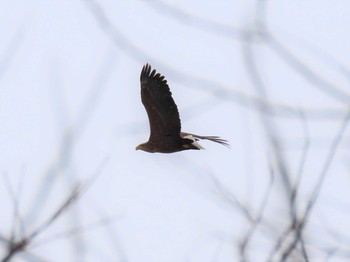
(195, 138)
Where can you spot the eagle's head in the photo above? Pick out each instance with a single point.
(145, 147)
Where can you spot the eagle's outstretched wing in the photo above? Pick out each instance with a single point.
(163, 115)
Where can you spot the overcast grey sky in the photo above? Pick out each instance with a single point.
(272, 77)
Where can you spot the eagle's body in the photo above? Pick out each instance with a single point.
(164, 118)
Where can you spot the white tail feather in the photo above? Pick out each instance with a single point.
(195, 138)
(195, 143)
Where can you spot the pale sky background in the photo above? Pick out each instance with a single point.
(272, 77)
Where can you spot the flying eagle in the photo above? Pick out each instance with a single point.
(164, 118)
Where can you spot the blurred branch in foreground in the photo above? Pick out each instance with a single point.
(19, 243)
(264, 34)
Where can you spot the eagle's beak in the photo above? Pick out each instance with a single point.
(138, 147)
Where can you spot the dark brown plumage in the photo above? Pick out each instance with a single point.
(164, 118)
